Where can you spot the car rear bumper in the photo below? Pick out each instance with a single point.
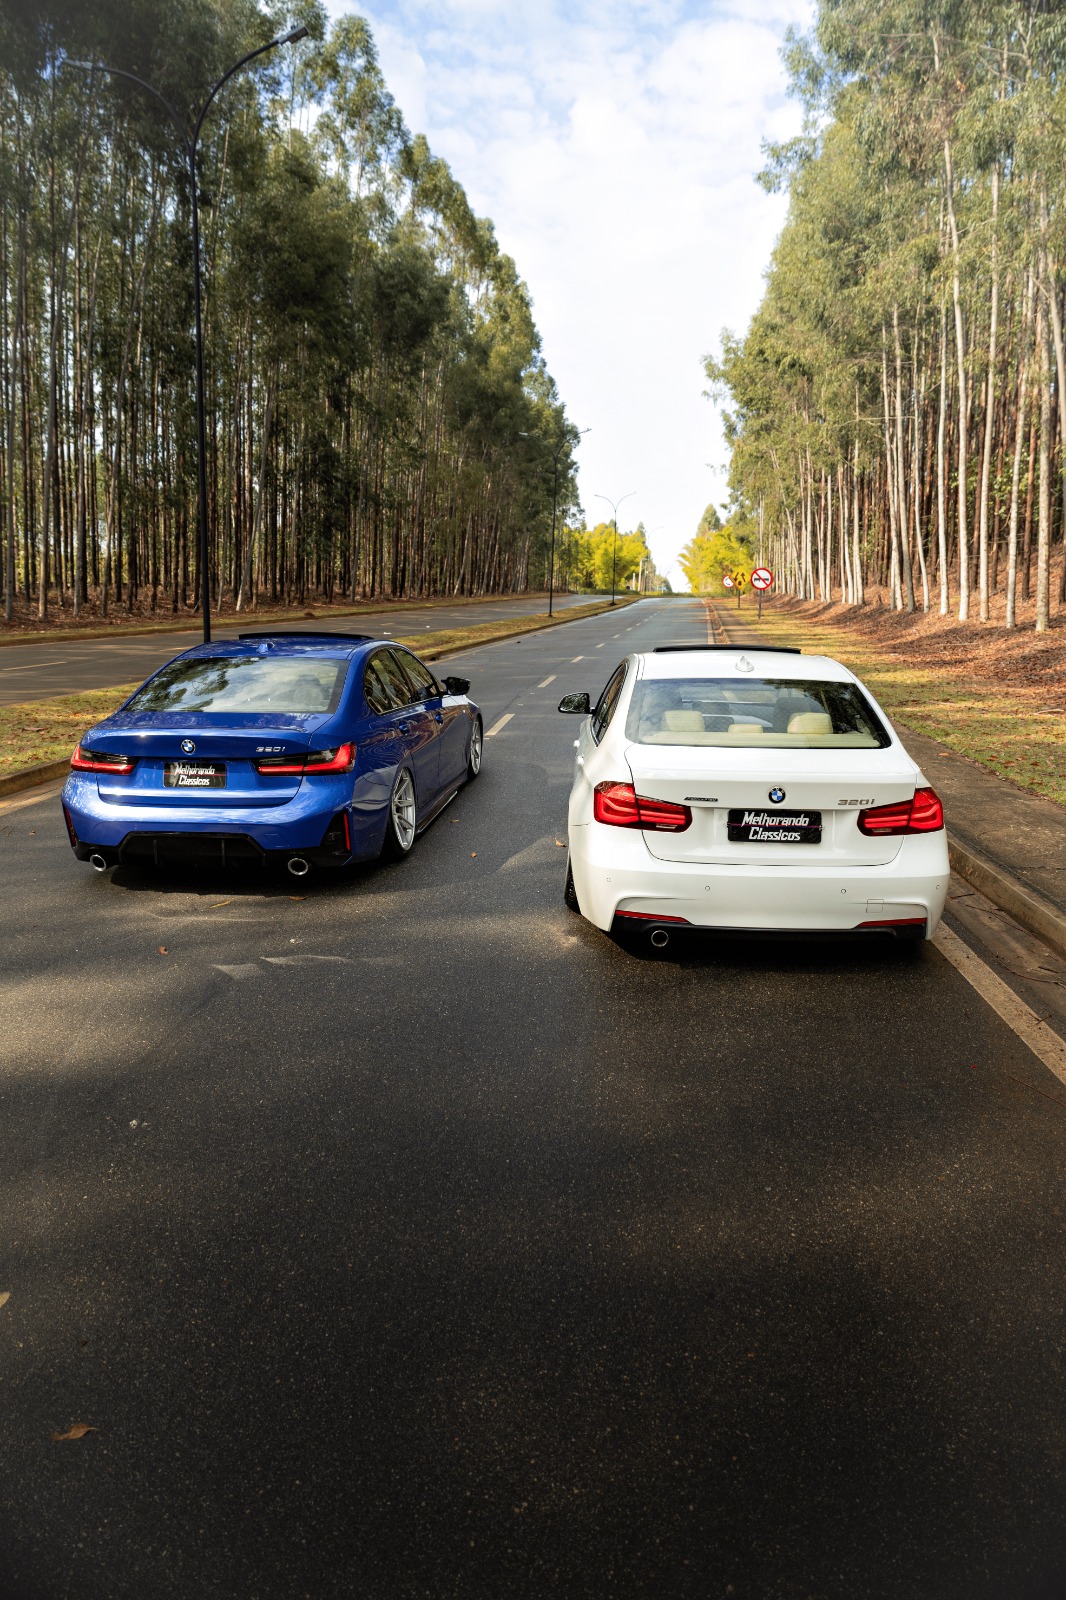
(619, 874)
(309, 826)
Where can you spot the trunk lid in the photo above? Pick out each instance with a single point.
(714, 780)
(155, 740)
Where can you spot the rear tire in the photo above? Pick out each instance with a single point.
(569, 891)
(476, 750)
(402, 824)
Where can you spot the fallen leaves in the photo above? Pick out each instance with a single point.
(219, 904)
(473, 855)
(5, 1297)
(77, 1430)
(163, 951)
(291, 897)
(561, 843)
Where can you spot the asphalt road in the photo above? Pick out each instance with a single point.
(40, 670)
(403, 1237)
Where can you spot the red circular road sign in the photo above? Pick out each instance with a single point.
(762, 578)
(727, 582)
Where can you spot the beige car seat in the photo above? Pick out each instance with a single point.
(810, 722)
(683, 721)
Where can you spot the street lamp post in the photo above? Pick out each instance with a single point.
(190, 145)
(614, 504)
(566, 444)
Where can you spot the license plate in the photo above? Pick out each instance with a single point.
(194, 775)
(775, 827)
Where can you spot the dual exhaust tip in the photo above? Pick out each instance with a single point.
(295, 864)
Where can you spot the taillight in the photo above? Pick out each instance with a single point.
(100, 761)
(620, 806)
(342, 759)
(650, 916)
(923, 814)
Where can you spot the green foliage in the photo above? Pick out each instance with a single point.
(712, 554)
(379, 413)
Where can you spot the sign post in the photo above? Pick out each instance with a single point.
(761, 579)
(740, 582)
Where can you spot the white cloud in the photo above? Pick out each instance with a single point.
(614, 145)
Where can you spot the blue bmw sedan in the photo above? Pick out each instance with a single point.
(305, 749)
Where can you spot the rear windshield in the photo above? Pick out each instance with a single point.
(769, 712)
(293, 685)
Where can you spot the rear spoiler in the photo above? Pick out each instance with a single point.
(776, 649)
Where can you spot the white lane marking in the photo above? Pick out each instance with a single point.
(601, 644)
(1023, 1021)
(546, 682)
(36, 666)
(301, 961)
(616, 635)
(496, 726)
(577, 658)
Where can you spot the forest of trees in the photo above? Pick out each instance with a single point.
(380, 420)
(898, 405)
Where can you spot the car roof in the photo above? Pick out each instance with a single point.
(289, 644)
(714, 662)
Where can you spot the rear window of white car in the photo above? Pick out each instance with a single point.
(770, 713)
(294, 685)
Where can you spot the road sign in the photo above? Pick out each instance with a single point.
(741, 578)
(762, 578)
(727, 582)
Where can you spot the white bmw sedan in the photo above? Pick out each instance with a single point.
(749, 789)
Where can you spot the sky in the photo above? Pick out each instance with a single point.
(614, 144)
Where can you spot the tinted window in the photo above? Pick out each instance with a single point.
(384, 685)
(605, 705)
(421, 679)
(776, 714)
(294, 685)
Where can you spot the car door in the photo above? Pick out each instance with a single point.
(418, 724)
(449, 713)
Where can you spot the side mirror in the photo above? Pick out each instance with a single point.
(457, 685)
(576, 703)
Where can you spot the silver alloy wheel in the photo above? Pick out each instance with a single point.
(476, 739)
(402, 810)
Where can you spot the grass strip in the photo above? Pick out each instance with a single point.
(1017, 734)
(36, 731)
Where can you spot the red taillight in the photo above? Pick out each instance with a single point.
(100, 761)
(342, 759)
(923, 814)
(650, 916)
(620, 806)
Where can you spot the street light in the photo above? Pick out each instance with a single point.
(614, 504)
(566, 444)
(190, 144)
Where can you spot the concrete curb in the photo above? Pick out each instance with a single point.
(1018, 900)
(31, 777)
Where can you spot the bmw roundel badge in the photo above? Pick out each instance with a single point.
(188, 746)
(776, 795)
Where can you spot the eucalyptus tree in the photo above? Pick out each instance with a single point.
(898, 406)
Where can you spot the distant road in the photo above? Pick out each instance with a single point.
(40, 670)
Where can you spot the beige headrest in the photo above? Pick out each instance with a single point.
(747, 730)
(810, 722)
(683, 721)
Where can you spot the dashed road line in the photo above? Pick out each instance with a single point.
(577, 658)
(601, 644)
(502, 723)
(546, 682)
(1019, 1017)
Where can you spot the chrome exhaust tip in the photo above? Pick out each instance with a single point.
(97, 862)
(660, 938)
(298, 866)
